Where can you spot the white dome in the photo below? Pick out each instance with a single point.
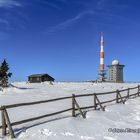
(115, 62)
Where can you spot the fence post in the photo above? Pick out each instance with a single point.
(3, 122)
(95, 104)
(78, 107)
(11, 132)
(102, 107)
(117, 101)
(119, 97)
(138, 90)
(128, 91)
(6, 123)
(73, 105)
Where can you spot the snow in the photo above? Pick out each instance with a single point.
(98, 125)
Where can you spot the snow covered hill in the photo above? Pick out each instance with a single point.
(109, 125)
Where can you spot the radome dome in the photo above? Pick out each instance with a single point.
(115, 62)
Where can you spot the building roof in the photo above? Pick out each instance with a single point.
(39, 75)
(36, 75)
(115, 65)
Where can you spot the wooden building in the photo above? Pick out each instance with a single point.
(38, 78)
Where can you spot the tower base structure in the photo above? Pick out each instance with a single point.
(102, 77)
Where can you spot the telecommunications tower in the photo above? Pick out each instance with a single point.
(102, 71)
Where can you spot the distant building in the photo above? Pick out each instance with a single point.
(38, 78)
(115, 72)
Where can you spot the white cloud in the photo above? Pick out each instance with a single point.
(9, 3)
(46, 3)
(69, 22)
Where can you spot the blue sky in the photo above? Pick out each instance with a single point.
(62, 37)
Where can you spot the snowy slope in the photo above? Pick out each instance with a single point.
(63, 126)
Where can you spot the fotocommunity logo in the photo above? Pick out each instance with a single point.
(124, 130)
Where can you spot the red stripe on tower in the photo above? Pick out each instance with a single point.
(102, 53)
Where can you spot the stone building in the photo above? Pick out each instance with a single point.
(115, 72)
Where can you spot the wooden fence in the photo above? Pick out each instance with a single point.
(97, 104)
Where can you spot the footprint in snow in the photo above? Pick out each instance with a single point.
(87, 138)
(67, 134)
(47, 132)
(109, 138)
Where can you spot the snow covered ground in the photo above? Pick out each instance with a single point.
(98, 125)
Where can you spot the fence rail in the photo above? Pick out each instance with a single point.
(37, 102)
(97, 104)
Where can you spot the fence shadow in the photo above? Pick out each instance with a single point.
(18, 131)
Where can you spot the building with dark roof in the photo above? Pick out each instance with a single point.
(38, 78)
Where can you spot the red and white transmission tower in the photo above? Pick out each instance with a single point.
(102, 71)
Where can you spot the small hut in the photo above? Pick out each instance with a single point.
(38, 78)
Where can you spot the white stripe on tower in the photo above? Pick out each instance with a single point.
(102, 54)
